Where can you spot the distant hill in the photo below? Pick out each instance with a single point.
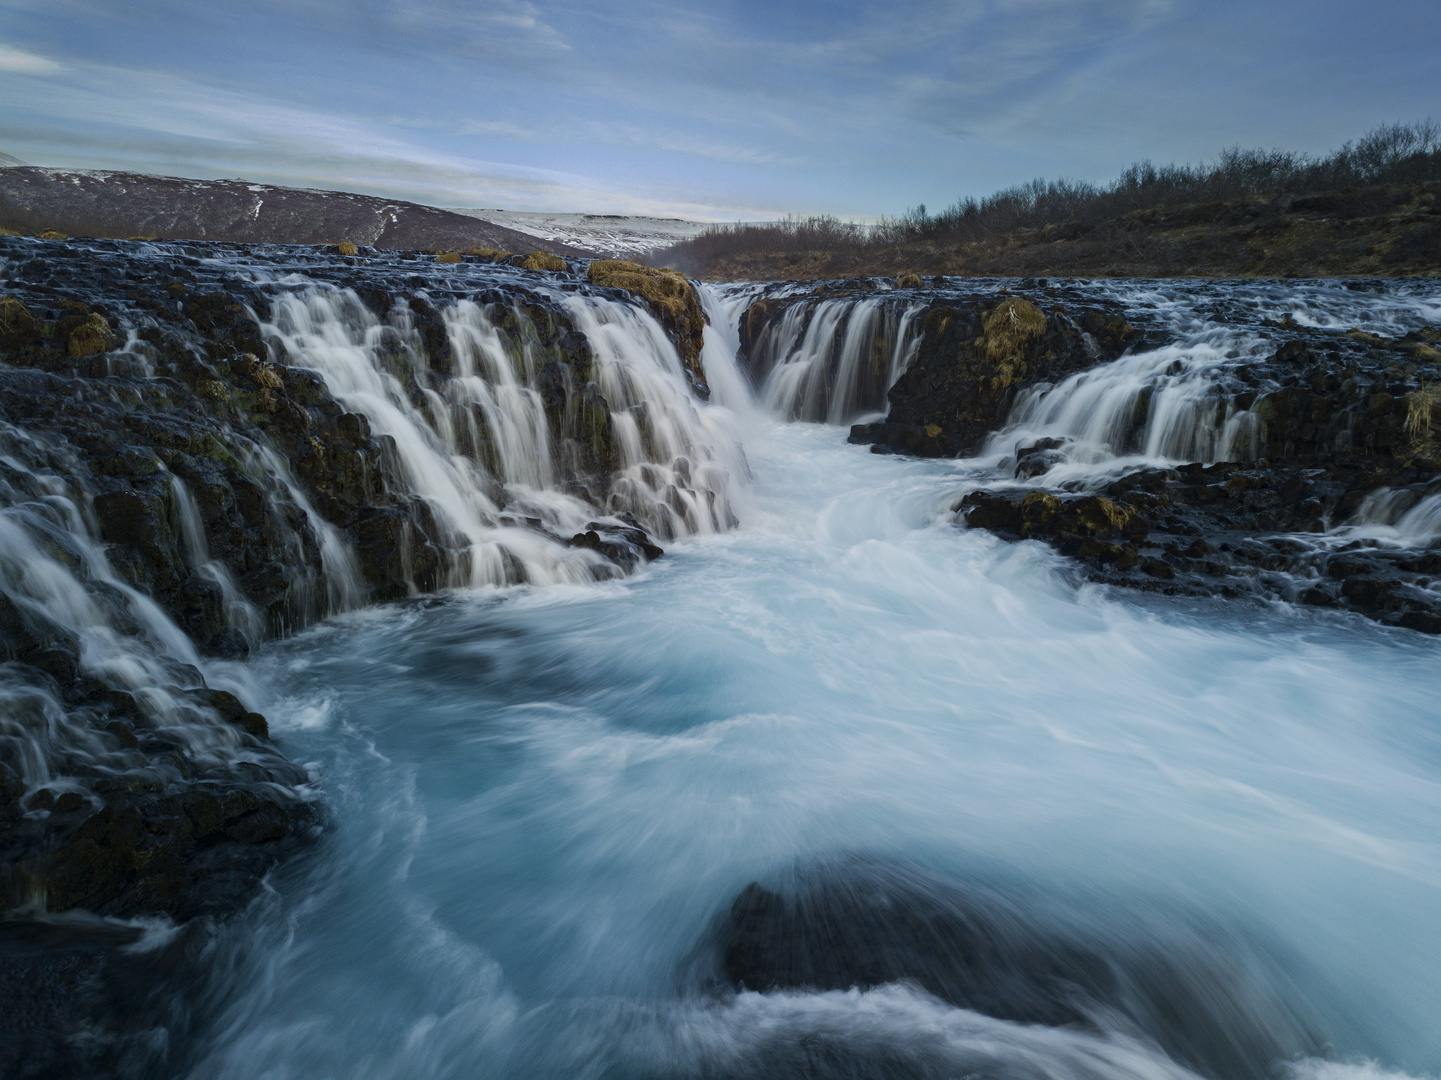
(617, 236)
(6, 161)
(121, 204)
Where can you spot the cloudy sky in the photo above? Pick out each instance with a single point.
(718, 110)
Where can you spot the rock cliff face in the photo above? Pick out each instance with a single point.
(1306, 470)
(171, 464)
(976, 355)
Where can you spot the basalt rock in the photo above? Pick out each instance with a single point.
(1343, 417)
(977, 354)
(1208, 1002)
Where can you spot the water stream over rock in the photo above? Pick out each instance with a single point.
(344, 684)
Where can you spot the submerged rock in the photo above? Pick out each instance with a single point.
(1211, 1000)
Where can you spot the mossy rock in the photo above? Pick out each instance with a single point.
(51, 234)
(908, 281)
(670, 298)
(543, 260)
(448, 257)
(345, 247)
(1009, 327)
(489, 253)
(90, 337)
(17, 325)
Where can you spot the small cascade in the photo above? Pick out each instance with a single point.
(241, 615)
(1162, 405)
(1406, 517)
(832, 360)
(676, 457)
(72, 626)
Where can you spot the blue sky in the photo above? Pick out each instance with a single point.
(726, 109)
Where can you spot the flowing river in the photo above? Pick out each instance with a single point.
(546, 798)
(837, 788)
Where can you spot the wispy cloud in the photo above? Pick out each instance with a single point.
(25, 63)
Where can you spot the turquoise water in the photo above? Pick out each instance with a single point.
(545, 799)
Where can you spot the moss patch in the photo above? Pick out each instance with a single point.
(543, 260)
(448, 257)
(17, 325)
(345, 247)
(51, 234)
(908, 281)
(1010, 327)
(668, 295)
(90, 337)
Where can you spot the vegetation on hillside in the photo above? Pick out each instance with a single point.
(1370, 207)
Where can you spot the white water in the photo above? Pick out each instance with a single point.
(834, 360)
(545, 799)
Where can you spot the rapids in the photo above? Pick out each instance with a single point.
(836, 788)
(547, 798)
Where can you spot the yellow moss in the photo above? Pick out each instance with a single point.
(9, 232)
(493, 254)
(51, 234)
(90, 337)
(345, 247)
(1009, 327)
(15, 319)
(448, 257)
(668, 294)
(1370, 339)
(267, 377)
(932, 430)
(543, 260)
(213, 388)
(140, 238)
(908, 281)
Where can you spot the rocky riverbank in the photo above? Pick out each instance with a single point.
(1302, 466)
(179, 483)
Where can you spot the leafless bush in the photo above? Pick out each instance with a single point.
(1391, 153)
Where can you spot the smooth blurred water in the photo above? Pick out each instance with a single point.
(544, 798)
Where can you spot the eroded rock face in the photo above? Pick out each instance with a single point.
(1346, 433)
(977, 354)
(202, 467)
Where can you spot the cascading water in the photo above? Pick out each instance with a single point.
(833, 360)
(840, 790)
(1159, 405)
(476, 443)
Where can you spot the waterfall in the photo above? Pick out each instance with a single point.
(832, 361)
(1162, 405)
(502, 448)
(65, 613)
(1406, 517)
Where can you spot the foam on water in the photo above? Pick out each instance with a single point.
(545, 800)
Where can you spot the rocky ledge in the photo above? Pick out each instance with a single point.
(1338, 441)
(175, 489)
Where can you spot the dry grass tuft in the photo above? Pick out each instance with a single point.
(1423, 408)
(447, 257)
(345, 247)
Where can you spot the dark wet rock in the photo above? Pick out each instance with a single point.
(978, 353)
(1209, 1000)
